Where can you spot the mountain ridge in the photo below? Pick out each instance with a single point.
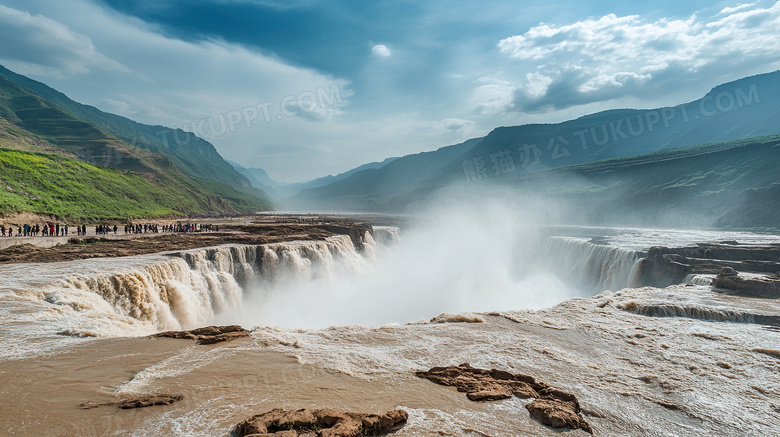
(195, 157)
(744, 108)
(30, 123)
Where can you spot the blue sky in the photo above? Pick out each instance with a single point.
(305, 88)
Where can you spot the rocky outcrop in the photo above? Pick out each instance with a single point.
(664, 266)
(138, 402)
(484, 385)
(208, 334)
(281, 422)
(558, 409)
(768, 286)
(552, 407)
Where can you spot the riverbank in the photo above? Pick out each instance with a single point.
(251, 230)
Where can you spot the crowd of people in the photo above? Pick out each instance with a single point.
(172, 228)
(45, 230)
(58, 230)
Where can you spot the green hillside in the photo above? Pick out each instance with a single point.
(49, 184)
(29, 123)
(195, 157)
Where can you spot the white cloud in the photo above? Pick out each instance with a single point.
(381, 50)
(739, 7)
(449, 88)
(537, 84)
(491, 96)
(179, 83)
(34, 43)
(609, 57)
(455, 125)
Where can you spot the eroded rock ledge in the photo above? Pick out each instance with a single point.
(729, 279)
(139, 402)
(281, 422)
(552, 407)
(664, 266)
(208, 334)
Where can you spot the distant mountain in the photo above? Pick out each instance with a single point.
(728, 184)
(260, 179)
(321, 182)
(189, 153)
(30, 122)
(745, 108)
(367, 188)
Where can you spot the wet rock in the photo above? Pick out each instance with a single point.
(557, 413)
(281, 422)
(552, 407)
(771, 352)
(208, 334)
(481, 384)
(664, 266)
(768, 286)
(138, 402)
(492, 393)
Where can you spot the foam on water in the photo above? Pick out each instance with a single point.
(313, 284)
(643, 238)
(623, 361)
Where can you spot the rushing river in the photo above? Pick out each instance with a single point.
(353, 325)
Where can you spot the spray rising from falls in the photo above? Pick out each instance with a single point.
(386, 235)
(600, 266)
(312, 284)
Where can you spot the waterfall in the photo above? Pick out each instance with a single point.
(694, 279)
(597, 265)
(386, 235)
(255, 284)
(697, 312)
(191, 288)
(163, 295)
(380, 237)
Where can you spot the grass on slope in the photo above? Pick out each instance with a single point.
(49, 184)
(31, 124)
